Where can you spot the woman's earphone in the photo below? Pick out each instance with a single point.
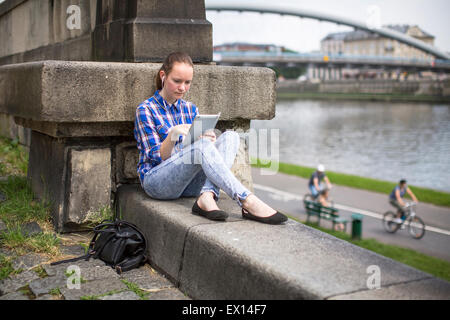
(162, 81)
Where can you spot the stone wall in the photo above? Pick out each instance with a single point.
(82, 116)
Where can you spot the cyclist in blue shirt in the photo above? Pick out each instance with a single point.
(315, 183)
(396, 199)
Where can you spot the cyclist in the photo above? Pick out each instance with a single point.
(396, 199)
(316, 186)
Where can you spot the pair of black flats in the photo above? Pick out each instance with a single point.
(219, 215)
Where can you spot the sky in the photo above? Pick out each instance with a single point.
(304, 35)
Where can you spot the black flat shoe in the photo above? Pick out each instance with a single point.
(276, 218)
(217, 215)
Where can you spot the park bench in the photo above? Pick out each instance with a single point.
(314, 208)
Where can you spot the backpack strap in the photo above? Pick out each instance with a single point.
(86, 256)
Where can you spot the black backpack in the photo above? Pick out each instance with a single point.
(118, 243)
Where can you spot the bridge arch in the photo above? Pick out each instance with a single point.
(292, 10)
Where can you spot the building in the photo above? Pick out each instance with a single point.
(364, 43)
(367, 44)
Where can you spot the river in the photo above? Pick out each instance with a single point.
(387, 141)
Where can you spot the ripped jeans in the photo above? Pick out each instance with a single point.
(200, 167)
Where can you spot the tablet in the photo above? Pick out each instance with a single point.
(202, 123)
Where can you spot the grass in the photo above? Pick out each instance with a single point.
(434, 266)
(20, 208)
(130, 286)
(13, 158)
(423, 194)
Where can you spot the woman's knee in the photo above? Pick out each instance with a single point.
(231, 137)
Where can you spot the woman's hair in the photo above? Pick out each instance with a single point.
(168, 65)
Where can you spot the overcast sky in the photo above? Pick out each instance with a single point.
(304, 35)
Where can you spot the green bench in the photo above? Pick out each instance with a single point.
(321, 212)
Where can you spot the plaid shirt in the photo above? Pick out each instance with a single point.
(154, 117)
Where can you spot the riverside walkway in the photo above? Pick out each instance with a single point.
(285, 192)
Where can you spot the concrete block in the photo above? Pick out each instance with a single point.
(127, 157)
(129, 33)
(90, 183)
(427, 289)
(19, 21)
(78, 129)
(47, 175)
(290, 261)
(165, 233)
(193, 35)
(73, 176)
(95, 92)
(241, 259)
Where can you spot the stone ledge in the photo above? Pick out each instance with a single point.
(76, 91)
(241, 259)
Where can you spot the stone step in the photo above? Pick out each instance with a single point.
(241, 259)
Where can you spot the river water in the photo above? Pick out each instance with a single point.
(381, 140)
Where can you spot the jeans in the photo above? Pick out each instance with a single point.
(397, 205)
(200, 167)
(314, 191)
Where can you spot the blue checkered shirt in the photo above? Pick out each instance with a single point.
(154, 117)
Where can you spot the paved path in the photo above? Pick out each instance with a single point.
(38, 280)
(285, 193)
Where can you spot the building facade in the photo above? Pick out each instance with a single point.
(363, 43)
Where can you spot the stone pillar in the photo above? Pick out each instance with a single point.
(310, 71)
(73, 175)
(81, 113)
(139, 31)
(82, 117)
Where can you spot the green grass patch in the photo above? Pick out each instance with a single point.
(423, 194)
(21, 244)
(6, 267)
(21, 207)
(13, 158)
(434, 266)
(135, 288)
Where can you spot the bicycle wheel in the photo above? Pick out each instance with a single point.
(416, 228)
(388, 222)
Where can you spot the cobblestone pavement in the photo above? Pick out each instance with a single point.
(36, 279)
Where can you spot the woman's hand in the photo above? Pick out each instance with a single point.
(210, 135)
(176, 131)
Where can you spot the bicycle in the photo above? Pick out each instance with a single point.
(416, 226)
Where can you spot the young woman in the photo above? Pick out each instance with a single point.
(167, 170)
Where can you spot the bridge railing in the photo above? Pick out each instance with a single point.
(323, 57)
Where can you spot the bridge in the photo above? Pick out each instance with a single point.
(292, 10)
(329, 66)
